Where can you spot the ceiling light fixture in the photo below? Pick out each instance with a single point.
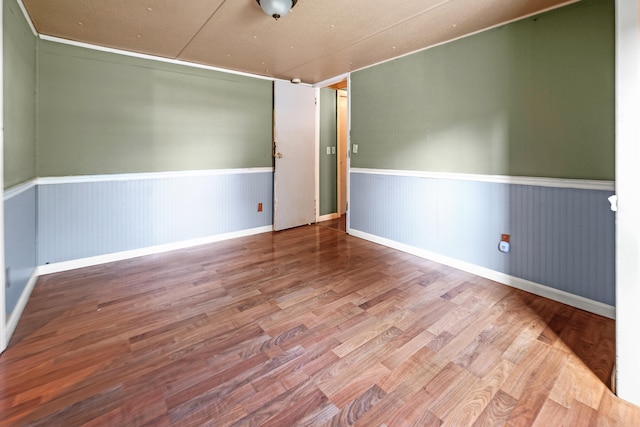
(277, 8)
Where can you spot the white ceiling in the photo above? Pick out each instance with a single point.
(317, 40)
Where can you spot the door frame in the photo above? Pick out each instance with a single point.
(340, 152)
(316, 150)
(318, 86)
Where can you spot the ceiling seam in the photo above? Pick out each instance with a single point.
(199, 30)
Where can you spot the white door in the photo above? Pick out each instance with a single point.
(294, 130)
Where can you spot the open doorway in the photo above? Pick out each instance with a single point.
(333, 156)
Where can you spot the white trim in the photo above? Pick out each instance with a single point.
(22, 303)
(328, 217)
(583, 184)
(147, 175)
(316, 155)
(27, 17)
(348, 188)
(515, 282)
(152, 57)
(119, 256)
(19, 189)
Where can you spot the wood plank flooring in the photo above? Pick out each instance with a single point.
(305, 327)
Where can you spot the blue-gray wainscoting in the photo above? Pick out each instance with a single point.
(84, 219)
(20, 243)
(563, 238)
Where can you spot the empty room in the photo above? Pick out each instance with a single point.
(309, 213)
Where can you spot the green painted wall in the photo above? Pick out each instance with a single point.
(19, 89)
(532, 98)
(328, 162)
(103, 113)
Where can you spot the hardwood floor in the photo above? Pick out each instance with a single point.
(339, 224)
(305, 327)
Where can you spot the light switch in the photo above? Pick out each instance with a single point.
(355, 148)
(328, 151)
(333, 150)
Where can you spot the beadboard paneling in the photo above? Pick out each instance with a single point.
(20, 243)
(84, 219)
(563, 238)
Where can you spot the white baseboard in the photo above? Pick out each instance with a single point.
(515, 282)
(119, 256)
(328, 217)
(12, 322)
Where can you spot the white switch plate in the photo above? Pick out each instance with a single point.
(355, 148)
(333, 150)
(328, 150)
